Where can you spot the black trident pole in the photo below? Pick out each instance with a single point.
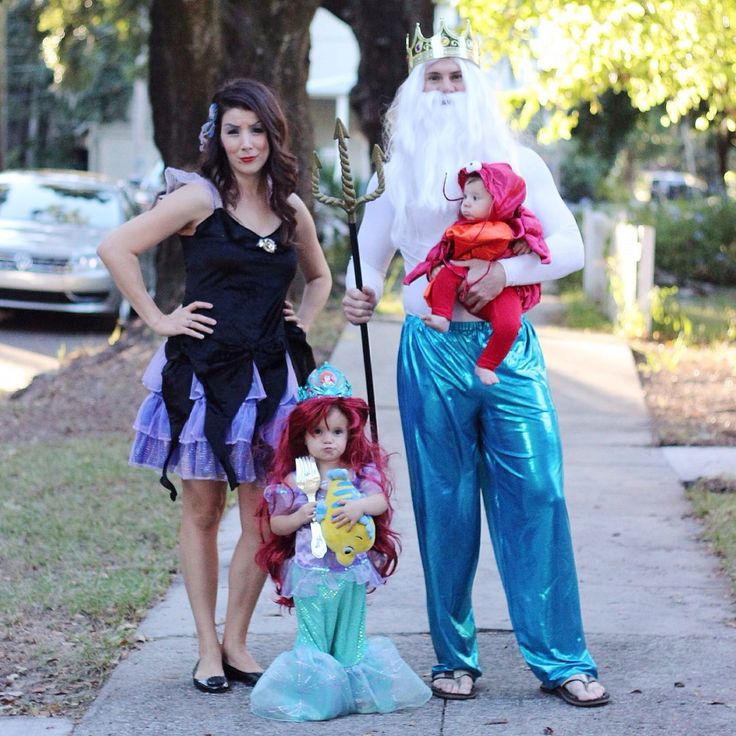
(350, 203)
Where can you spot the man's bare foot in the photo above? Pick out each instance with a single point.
(581, 690)
(486, 376)
(441, 324)
(590, 690)
(457, 685)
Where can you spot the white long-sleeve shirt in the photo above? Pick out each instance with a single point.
(560, 231)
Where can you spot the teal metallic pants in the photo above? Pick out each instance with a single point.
(465, 440)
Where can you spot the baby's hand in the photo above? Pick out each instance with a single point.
(348, 513)
(520, 247)
(305, 513)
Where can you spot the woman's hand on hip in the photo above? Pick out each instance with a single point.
(358, 305)
(291, 316)
(484, 282)
(185, 321)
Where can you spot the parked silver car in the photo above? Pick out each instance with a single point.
(50, 225)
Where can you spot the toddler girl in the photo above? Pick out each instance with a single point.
(333, 669)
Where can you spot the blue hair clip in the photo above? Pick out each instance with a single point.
(207, 131)
(325, 381)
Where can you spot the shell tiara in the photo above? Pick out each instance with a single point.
(325, 381)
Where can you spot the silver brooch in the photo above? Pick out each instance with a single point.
(267, 244)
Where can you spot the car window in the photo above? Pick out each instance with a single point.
(50, 203)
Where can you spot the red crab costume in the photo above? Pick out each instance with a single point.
(488, 240)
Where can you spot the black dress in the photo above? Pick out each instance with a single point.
(245, 277)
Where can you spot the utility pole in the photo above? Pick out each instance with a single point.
(3, 87)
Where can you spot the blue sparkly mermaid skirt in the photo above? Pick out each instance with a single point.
(249, 452)
(334, 669)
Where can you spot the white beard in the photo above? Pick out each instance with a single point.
(427, 150)
(433, 147)
(430, 136)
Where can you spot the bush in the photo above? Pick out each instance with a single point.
(696, 240)
(581, 177)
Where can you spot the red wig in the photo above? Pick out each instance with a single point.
(363, 457)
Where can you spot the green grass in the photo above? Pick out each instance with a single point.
(69, 509)
(713, 316)
(87, 544)
(709, 319)
(583, 314)
(714, 501)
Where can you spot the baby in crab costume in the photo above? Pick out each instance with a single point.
(493, 224)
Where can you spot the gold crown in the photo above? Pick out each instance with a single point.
(444, 44)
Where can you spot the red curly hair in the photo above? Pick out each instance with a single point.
(364, 457)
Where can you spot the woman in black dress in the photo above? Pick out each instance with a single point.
(226, 378)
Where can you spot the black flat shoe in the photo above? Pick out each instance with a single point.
(249, 678)
(216, 684)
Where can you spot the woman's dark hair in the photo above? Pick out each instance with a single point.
(280, 169)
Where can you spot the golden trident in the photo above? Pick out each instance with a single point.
(350, 203)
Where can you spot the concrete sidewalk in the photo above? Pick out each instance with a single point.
(656, 609)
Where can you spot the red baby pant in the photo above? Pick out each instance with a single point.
(503, 314)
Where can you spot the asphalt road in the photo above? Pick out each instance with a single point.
(35, 342)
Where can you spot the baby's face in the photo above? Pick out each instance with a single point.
(477, 202)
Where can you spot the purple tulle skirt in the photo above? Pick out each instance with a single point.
(193, 458)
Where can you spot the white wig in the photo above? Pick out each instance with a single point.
(429, 136)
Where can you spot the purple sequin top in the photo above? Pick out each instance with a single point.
(304, 573)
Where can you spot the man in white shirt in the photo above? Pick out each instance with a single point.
(465, 439)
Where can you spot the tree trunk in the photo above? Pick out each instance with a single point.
(269, 41)
(380, 28)
(724, 142)
(184, 70)
(3, 90)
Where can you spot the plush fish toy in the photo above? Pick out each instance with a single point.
(344, 542)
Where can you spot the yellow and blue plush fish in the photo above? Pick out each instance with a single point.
(344, 542)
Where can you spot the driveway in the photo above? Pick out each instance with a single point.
(35, 342)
